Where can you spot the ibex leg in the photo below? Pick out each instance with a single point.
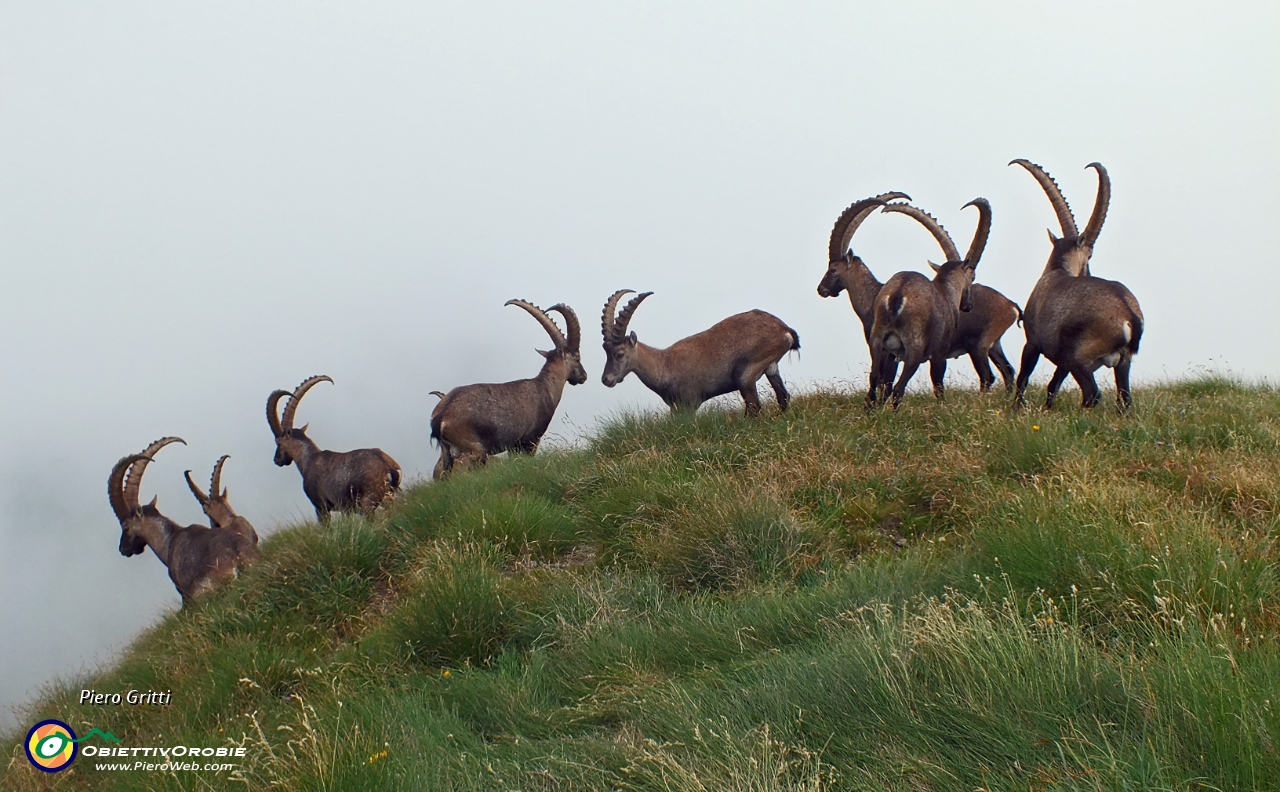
(908, 371)
(1030, 356)
(779, 389)
(877, 375)
(938, 372)
(1003, 365)
(983, 369)
(889, 371)
(1123, 398)
(752, 399)
(1059, 375)
(1090, 395)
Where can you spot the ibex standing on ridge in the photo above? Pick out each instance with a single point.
(215, 504)
(357, 480)
(978, 331)
(473, 422)
(199, 559)
(729, 356)
(1076, 320)
(915, 318)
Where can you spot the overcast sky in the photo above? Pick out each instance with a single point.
(200, 203)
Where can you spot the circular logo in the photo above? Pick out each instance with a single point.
(51, 745)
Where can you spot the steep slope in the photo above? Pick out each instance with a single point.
(949, 597)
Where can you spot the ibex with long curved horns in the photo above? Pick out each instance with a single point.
(215, 504)
(199, 559)
(915, 318)
(473, 422)
(978, 331)
(357, 480)
(1079, 322)
(729, 356)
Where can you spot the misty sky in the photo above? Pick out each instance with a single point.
(200, 203)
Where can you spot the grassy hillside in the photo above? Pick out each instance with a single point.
(946, 598)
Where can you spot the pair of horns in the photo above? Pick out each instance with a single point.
(1066, 220)
(283, 424)
(574, 341)
(927, 220)
(849, 220)
(215, 483)
(615, 328)
(126, 478)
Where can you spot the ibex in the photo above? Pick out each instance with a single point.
(199, 558)
(729, 356)
(215, 504)
(1076, 320)
(915, 319)
(357, 480)
(978, 331)
(473, 422)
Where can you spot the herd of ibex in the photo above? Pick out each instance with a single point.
(1077, 321)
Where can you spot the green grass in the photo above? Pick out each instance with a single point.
(951, 597)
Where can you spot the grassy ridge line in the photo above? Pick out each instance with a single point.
(945, 598)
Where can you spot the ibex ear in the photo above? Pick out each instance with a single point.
(1052, 239)
(631, 338)
(224, 493)
(546, 355)
(153, 501)
(304, 428)
(933, 266)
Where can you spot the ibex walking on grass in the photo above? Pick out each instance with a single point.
(357, 480)
(473, 422)
(1079, 322)
(199, 559)
(978, 331)
(730, 356)
(915, 318)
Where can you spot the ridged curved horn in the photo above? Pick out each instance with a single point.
(849, 220)
(1065, 219)
(1100, 204)
(574, 330)
(134, 481)
(273, 410)
(983, 231)
(291, 409)
(195, 490)
(115, 488)
(557, 337)
(610, 307)
(215, 483)
(624, 316)
(927, 220)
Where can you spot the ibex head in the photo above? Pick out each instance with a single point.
(122, 490)
(842, 260)
(290, 443)
(215, 504)
(567, 349)
(619, 346)
(1073, 250)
